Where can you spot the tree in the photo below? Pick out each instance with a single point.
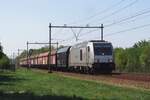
(1, 51)
(4, 61)
(141, 44)
(120, 58)
(133, 62)
(145, 59)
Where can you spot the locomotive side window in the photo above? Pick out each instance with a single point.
(81, 55)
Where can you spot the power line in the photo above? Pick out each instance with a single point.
(81, 27)
(133, 20)
(92, 16)
(88, 32)
(80, 35)
(132, 3)
(130, 21)
(76, 35)
(109, 8)
(103, 11)
(131, 17)
(68, 39)
(115, 12)
(112, 14)
(130, 29)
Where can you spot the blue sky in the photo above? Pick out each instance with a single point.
(27, 20)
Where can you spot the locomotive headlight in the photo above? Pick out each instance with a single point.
(110, 60)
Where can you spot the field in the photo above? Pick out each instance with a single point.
(36, 85)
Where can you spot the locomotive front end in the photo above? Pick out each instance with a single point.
(103, 57)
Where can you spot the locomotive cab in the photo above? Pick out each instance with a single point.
(103, 56)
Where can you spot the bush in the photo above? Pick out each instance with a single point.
(134, 59)
(145, 59)
(133, 62)
(120, 59)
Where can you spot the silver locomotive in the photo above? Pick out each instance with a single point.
(92, 56)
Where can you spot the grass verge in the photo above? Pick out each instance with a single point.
(27, 84)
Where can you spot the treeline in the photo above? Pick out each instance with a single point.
(34, 51)
(4, 60)
(37, 51)
(134, 59)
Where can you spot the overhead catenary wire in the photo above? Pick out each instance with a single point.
(76, 34)
(70, 38)
(92, 16)
(99, 13)
(128, 18)
(108, 9)
(86, 33)
(132, 3)
(80, 27)
(122, 20)
(126, 30)
(115, 12)
(135, 20)
(89, 32)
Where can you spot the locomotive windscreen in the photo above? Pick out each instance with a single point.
(102, 49)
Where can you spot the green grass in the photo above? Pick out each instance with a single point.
(27, 84)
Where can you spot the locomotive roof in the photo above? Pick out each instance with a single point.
(93, 41)
(102, 41)
(64, 49)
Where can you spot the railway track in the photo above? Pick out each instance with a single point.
(118, 75)
(133, 76)
(121, 79)
(126, 76)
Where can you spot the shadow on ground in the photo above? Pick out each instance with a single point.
(9, 79)
(31, 96)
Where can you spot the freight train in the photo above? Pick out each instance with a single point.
(93, 56)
